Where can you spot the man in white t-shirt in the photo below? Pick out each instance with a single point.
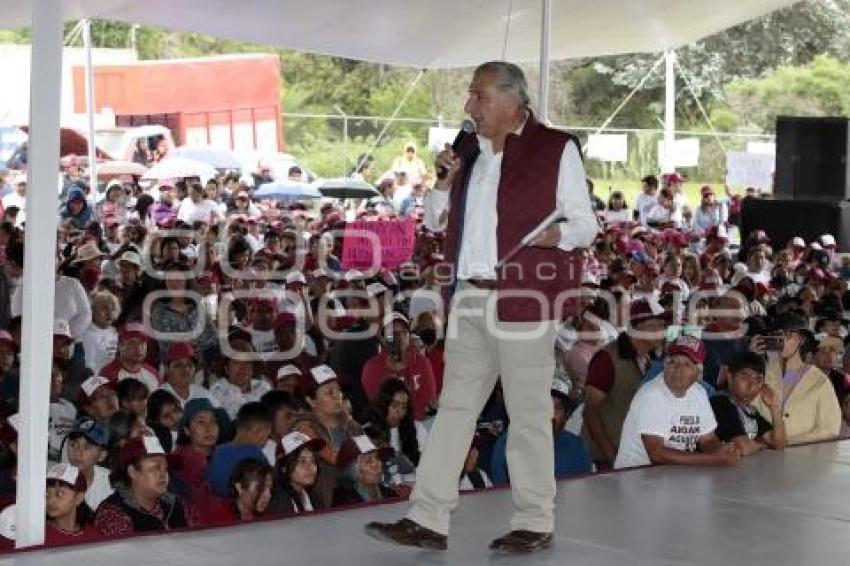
(197, 208)
(670, 420)
(648, 198)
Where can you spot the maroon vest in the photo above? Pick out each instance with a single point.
(526, 195)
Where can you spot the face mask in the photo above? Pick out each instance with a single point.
(428, 336)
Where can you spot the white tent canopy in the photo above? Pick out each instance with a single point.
(415, 33)
(429, 33)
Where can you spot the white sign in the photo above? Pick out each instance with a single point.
(749, 169)
(439, 137)
(685, 152)
(608, 147)
(766, 148)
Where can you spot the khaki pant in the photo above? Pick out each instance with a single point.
(475, 358)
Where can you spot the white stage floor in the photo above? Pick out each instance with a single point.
(775, 509)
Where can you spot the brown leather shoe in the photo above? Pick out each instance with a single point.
(407, 533)
(522, 542)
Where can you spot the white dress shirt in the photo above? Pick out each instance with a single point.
(479, 248)
(71, 305)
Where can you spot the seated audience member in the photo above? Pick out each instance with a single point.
(737, 420)
(298, 469)
(360, 473)
(287, 378)
(130, 361)
(98, 398)
(671, 417)
(87, 448)
(328, 420)
(180, 373)
(400, 359)
(253, 426)
(391, 414)
(200, 428)
(613, 377)
(121, 427)
(63, 414)
(68, 521)
(428, 328)
(141, 502)
(239, 385)
(283, 409)
(248, 494)
(100, 340)
(810, 407)
(132, 396)
(571, 457)
(472, 477)
(9, 379)
(164, 413)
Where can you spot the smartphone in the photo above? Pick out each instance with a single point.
(773, 342)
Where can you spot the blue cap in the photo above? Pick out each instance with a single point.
(224, 461)
(94, 432)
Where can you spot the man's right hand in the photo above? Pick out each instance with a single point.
(450, 162)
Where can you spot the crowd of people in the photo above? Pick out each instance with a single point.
(213, 362)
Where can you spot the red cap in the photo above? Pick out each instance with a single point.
(355, 446)
(179, 351)
(688, 346)
(643, 310)
(285, 320)
(133, 330)
(259, 302)
(8, 339)
(136, 448)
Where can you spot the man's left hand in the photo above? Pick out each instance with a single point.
(548, 238)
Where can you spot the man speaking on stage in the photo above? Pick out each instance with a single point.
(498, 185)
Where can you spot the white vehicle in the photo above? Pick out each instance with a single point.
(279, 163)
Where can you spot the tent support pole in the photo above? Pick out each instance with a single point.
(669, 112)
(40, 269)
(90, 103)
(545, 38)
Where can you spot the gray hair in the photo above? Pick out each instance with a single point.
(510, 76)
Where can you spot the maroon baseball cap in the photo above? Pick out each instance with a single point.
(643, 310)
(285, 320)
(179, 351)
(355, 446)
(133, 330)
(687, 346)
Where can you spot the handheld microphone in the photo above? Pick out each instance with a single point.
(466, 128)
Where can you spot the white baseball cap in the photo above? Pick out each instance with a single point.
(296, 439)
(375, 289)
(61, 328)
(295, 277)
(91, 385)
(322, 374)
(288, 369)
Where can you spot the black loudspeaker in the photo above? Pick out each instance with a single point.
(783, 219)
(811, 158)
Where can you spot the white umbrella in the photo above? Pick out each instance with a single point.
(345, 188)
(212, 156)
(109, 169)
(179, 167)
(286, 189)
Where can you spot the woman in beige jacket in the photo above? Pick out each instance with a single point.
(809, 404)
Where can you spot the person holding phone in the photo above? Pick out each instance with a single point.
(400, 359)
(809, 405)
